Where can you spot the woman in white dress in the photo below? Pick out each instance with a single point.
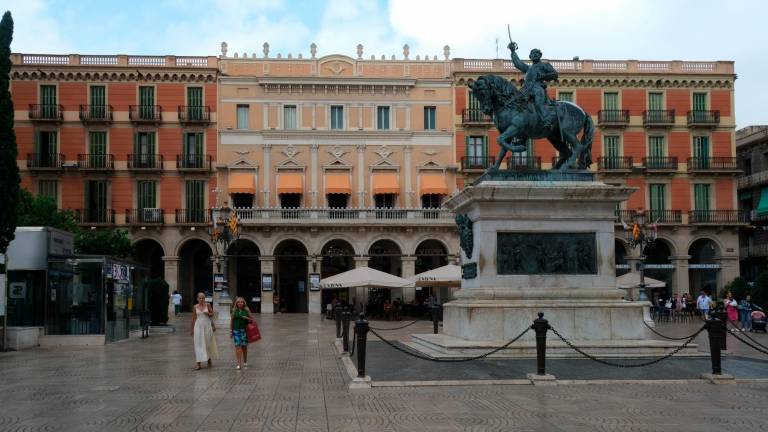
(202, 332)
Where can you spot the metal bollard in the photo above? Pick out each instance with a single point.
(345, 318)
(361, 328)
(434, 318)
(716, 330)
(540, 326)
(337, 317)
(723, 317)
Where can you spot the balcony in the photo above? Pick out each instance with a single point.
(51, 113)
(616, 118)
(667, 217)
(713, 164)
(194, 114)
(754, 251)
(524, 163)
(145, 114)
(144, 216)
(191, 162)
(193, 216)
(45, 161)
(96, 114)
(703, 118)
(96, 162)
(477, 162)
(756, 179)
(658, 118)
(145, 162)
(94, 217)
(625, 216)
(614, 163)
(475, 117)
(347, 216)
(660, 163)
(717, 217)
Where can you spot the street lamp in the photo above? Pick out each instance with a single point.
(642, 236)
(225, 229)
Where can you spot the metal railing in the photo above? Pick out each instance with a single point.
(194, 114)
(45, 160)
(475, 115)
(96, 113)
(717, 217)
(102, 216)
(46, 112)
(658, 117)
(614, 163)
(626, 216)
(145, 113)
(348, 215)
(665, 163)
(196, 162)
(193, 216)
(144, 216)
(613, 117)
(713, 164)
(664, 216)
(96, 161)
(523, 163)
(755, 179)
(703, 118)
(756, 250)
(477, 162)
(144, 162)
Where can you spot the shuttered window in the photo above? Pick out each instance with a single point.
(699, 101)
(382, 117)
(195, 200)
(657, 201)
(96, 200)
(49, 107)
(701, 194)
(610, 101)
(657, 147)
(195, 103)
(565, 96)
(655, 101)
(290, 120)
(144, 150)
(97, 149)
(701, 152)
(611, 147)
(146, 102)
(98, 96)
(146, 194)
(193, 150)
(48, 188)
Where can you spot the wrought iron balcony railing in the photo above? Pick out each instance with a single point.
(660, 163)
(355, 216)
(713, 164)
(46, 112)
(718, 217)
(96, 113)
(626, 216)
(96, 162)
(523, 163)
(194, 114)
(145, 113)
(662, 118)
(664, 216)
(614, 163)
(95, 216)
(45, 161)
(475, 116)
(613, 117)
(477, 162)
(193, 216)
(704, 118)
(145, 162)
(144, 216)
(193, 162)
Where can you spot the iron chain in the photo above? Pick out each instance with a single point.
(394, 328)
(668, 337)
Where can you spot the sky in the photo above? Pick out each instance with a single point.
(591, 29)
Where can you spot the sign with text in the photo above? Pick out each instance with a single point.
(266, 282)
(314, 281)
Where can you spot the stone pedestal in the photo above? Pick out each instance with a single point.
(541, 246)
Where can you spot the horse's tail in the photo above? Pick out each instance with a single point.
(586, 140)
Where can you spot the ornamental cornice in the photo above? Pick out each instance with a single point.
(653, 82)
(130, 75)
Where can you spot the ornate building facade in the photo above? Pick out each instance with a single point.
(667, 128)
(752, 153)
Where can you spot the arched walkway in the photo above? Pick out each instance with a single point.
(658, 265)
(386, 256)
(703, 266)
(244, 272)
(430, 254)
(150, 253)
(337, 257)
(195, 271)
(291, 284)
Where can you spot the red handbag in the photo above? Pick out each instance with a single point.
(252, 332)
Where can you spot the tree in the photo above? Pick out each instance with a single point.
(9, 171)
(37, 210)
(103, 242)
(738, 288)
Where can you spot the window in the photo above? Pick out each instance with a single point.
(98, 106)
(701, 195)
(97, 149)
(242, 200)
(144, 150)
(701, 152)
(96, 201)
(243, 111)
(289, 117)
(565, 96)
(146, 194)
(611, 152)
(193, 150)
(195, 200)
(337, 117)
(382, 117)
(655, 101)
(49, 108)
(146, 102)
(46, 149)
(431, 201)
(657, 201)
(474, 104)
(385, 200)
(477, 151)
(290, 200)
(429, 117)
(48, 189)
(699, 101)
(195, 103)
(657, 153)
(610, 101)
(337, 200)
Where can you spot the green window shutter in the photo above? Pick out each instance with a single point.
(610, 101)
(48, 188)
(701, 193)
(655, 101)
(195, 103)
(565, 96)
(474, 104)
(97, 149)
(98, 102)
(147, 102)
(484, 152)
(656, 147)
(699, 101)
(48, 95)
(195, 200)
(199, 148)
(611, 147)
(146, 194)
(529, 148)
(701, 152)
(657, 201)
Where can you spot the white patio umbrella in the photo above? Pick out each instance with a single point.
(365, 277)
(632, 280)
(445, 276)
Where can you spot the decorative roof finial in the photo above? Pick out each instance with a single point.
(223, 49)
(406, 51)
(447, 52)
(313, 49)
(359, 51)
(265, 49)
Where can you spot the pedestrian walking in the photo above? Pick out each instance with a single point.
(202, 332)
(731, 308)
(241, 316)
(745, 313)
(176, 299)
(703, 303)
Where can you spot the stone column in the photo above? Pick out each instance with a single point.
(222, 306)
(729, 270)
(360, 294)
(361, 172)
(314, 298)
(267, 267)
(409, 269)
(361, 261)
(171, 275)
(267, 174)
(408, 186)
(682, 283)
(313, 174)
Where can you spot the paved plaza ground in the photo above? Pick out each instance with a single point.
(296, 382)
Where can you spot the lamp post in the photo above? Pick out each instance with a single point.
(642, 236)
(225, 229)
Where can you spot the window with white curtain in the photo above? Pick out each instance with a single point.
(289, 117)
(242, 116)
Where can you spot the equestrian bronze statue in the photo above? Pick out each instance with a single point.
(530, 113)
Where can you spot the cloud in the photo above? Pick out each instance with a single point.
(36, 29)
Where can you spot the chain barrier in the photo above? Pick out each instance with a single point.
(669, 337)
(395, 328)
(450, 360)
(620, 365)
(737, 335)
(736, 331)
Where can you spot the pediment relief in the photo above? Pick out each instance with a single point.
(242, 164)
(336, 66)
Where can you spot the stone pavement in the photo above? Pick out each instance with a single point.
(295, 382)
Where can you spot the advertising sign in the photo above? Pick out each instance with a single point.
(266, 282)
(314, 281)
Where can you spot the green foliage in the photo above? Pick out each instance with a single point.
(157, 292)
(9, 171)
(103, 242)
(760, 290)
(36, 210)
(738, 287)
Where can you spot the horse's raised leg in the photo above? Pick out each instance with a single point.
(503, 140)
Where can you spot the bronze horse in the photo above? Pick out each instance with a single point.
(517, 121)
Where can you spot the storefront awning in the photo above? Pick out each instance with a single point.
(433, 184)
(762, 207)
(385, 183)
(241, 182)
(338, 184)
(289, 183)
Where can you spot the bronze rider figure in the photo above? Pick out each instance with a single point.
(536, 77)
